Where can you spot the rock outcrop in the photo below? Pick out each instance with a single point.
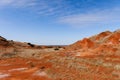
(105, 43)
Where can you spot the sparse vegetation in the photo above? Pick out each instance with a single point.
(56, 48)
(96, 59)
(32, 45)
(8, 55)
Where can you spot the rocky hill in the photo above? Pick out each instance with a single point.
(93, 58)
(105, 43)
(3, 41)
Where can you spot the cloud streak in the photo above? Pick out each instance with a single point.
(53, 7)
(62, 7)
(42, 7)
(77, 14)
(17, 3)
(92, 18)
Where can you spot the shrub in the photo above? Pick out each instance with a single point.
(56, 49)
(30, 44)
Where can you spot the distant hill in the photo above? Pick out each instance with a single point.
(10, 43)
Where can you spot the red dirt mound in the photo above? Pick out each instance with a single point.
(105, 43)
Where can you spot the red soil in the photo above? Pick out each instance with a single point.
(94, 58)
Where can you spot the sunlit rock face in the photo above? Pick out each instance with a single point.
(105, 43)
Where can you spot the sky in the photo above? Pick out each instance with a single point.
(57, 22)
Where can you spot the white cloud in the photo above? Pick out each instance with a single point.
(5, 2)
(92, 18)
(42, 7)
(17, 3)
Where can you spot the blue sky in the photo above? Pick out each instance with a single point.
(57, 22)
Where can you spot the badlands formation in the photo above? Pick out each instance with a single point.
(93, 58)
